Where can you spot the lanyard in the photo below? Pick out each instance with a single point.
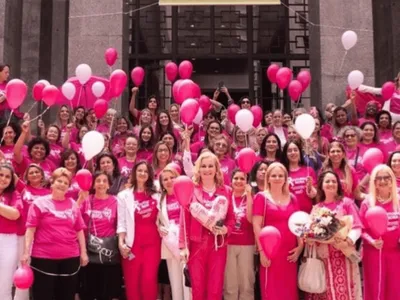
(237, 209)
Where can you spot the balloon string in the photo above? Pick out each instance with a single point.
(8, 123)
(380, 274)
(266, 283)
(33, 105)
(184, 232)
(343, 59)
(48, 107)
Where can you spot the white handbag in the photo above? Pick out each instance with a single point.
(312, 272)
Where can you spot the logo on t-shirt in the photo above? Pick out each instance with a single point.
(106, 213)
(64, 214)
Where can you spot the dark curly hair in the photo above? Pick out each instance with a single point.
(149, 186)
(116, 173)
(39, 141)
(320, 192)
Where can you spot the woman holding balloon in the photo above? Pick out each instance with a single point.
(152, 105)
(380, 214)
(273, 207)
(204, 244)
(342, 274)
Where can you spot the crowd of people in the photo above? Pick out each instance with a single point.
(49, 223)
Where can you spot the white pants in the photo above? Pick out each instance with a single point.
(239, 273)
(21, 294)
(176, 279)
(8, 263)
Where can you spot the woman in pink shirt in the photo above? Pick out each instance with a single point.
(273, 207)
(162, 156)
(64, 117)
(108, 123)
(55, 241)
(302, 178)
(108, 163)
(69, 143)
(240, 141)
(239, 270)
(168, 226)
(145, 119)
(53, 135)
(370, 137)
(171, 141)
(381, 251)
(384, 122)
(394, 164)
(205, 247)
(146, 143)
(214, 128)
(271, 148)
(70, 161)
(394, 141)
(127, 161)
(10, 211)
(151, 105)
(11, 134)
(38, 152)
(139, 240)
(99, 211)
(4, 108)
(277, 126)
(120, 136)
(220, 148)
(164, 124)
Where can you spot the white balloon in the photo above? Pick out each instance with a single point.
(298, 221)
(349, 39)
(98, 89)
(44, 81)
(199, 116)
(83, 72)
(68, 90)
(92, 144)
(244, 119)
(355, 79)
(305, 125)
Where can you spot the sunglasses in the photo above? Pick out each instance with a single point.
(386, 178)
(349, 136)
(245, 102)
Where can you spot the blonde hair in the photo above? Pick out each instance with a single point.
(167, 169)
(372, 186)
(140, 119)
(219, 179)
(60, 172)
(271, 167)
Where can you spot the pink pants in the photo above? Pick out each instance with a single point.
(141, 273)
(206, 268)
(390, 287)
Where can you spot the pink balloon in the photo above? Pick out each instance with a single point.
(100, 108)
(176, 167)
(183, 190)
(185, 69)
(232, 111)
(37, 91)
(187, 89)
(305, 79)
(270, 240)
(295, 89)
(258, 115)
(175, 89)
(371, 158)
(50, 95)
(377, 220)
(271, 72)
(196, 91)
(205, 104)
(111, 56)
(388, 90)
(246, 159)
(84, 178)
(137, 75)
(171, 70)
(188, 110)
(23, 277)
(16, 91)
(118, 81)
(283, 77)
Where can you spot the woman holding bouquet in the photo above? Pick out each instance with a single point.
(207, 247)
(342, 274)
(383, 250)
(273, 207)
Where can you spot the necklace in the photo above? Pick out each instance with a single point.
(381, 200)
(210, 191)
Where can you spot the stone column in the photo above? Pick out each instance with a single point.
(94, 26)
(327, 52)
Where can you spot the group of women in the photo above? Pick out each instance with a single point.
(48, 222)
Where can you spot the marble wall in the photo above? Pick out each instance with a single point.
(327, 52)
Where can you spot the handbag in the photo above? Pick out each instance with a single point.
(312, 273)
(187, 276)
(101, 250)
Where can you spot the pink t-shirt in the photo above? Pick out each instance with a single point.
(55, 154)
(103, 128)
(73, 134)
(9, 152)
(146, 213)
(355, 159)
(57, 224)
(144, 154)
(395, 104)
(385, 136)
(197, 146)
(103, 215)
(227, 167)
(73, 190)
(14, 200)
(173, 209)
(47, 166)
(118, 144)
(125, 166)
(390, 146)
(348, 190)
(297, 186)
(78, 149)
(29, 195)
(242, 233)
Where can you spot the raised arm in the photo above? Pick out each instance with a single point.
(132, 106)
(18, 156)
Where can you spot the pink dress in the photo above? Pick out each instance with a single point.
(279, 281)
(342, 276)
(297, 186)
(390, 288)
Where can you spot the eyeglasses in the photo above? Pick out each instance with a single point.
(221, 145)
(386, 178)
(349, 136)
(245, 102)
